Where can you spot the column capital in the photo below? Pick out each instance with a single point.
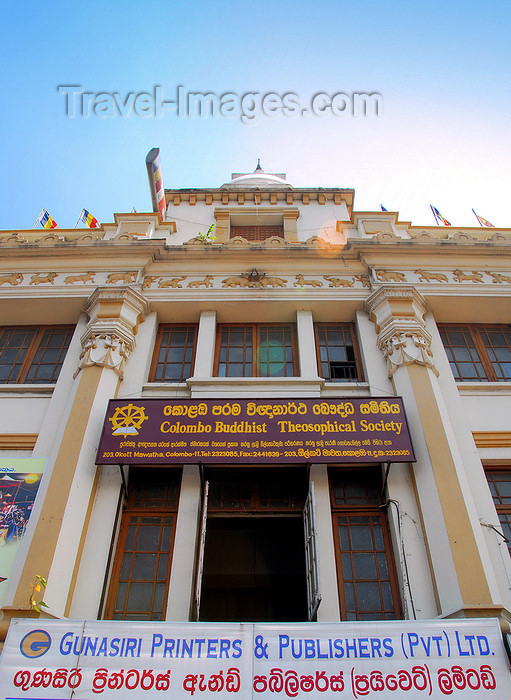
(114, 316)
(398, 314)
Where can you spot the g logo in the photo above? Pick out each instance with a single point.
(35, 644)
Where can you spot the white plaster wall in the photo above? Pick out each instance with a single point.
(190, 220)
(373, 362)
(23, 414)
(139, 361)
(487, 407)
(320, 220)
(314, 220)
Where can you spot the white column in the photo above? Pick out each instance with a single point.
(182, 576)
(306, 345)
(205, 352)
(404, 516)
(373, 362)
(329, 607)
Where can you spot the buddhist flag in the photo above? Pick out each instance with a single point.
(87, 219)
(483, 222)
(45, 220)
(153, 165)
(439, 217)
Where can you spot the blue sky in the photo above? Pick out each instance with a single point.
(442, 69)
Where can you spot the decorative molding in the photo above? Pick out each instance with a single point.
(207, 282)
(124, 277)
(474, 276)
(499, 278)
(251, 280)
(398, 313)
(18, 441)
(383, 236)
(85, 278)
(173, 283)
(425, 276)
(273, 242)
(409, 348)
(105, 350)
(338, 281)
(40, 278)
(364, 280)
(148, 281)
(424, 236)
(492, 438)
(13, 279)
(389, 276)
(302, 282)
(462, 236)
(114, 315)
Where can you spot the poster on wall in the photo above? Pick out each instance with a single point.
(19, 483)
(123, 660)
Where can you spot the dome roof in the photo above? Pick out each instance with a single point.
(258, 179)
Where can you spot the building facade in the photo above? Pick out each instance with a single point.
(298, 300)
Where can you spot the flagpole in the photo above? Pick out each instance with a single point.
(80, 218)
(39, 218)
(434, 214)
(478, 219)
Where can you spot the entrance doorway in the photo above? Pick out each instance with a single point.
(253, 559)
(254, 570)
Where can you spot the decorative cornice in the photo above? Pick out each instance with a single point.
(387, 292)
(125, 294)
(18, 441)
(492, 438)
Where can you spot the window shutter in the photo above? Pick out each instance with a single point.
(311, 555)
(200, 556)
(257, 233)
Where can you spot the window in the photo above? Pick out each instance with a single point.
(478, 353)
(257, 490)
(257, 233)
(174, 353)
(499, 481)
(337, 352)
(256, 350)
(365, 567)
(33, 355)
(141, 570)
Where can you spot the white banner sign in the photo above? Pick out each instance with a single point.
(53, 659)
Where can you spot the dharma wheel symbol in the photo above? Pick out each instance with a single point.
(127, 420)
